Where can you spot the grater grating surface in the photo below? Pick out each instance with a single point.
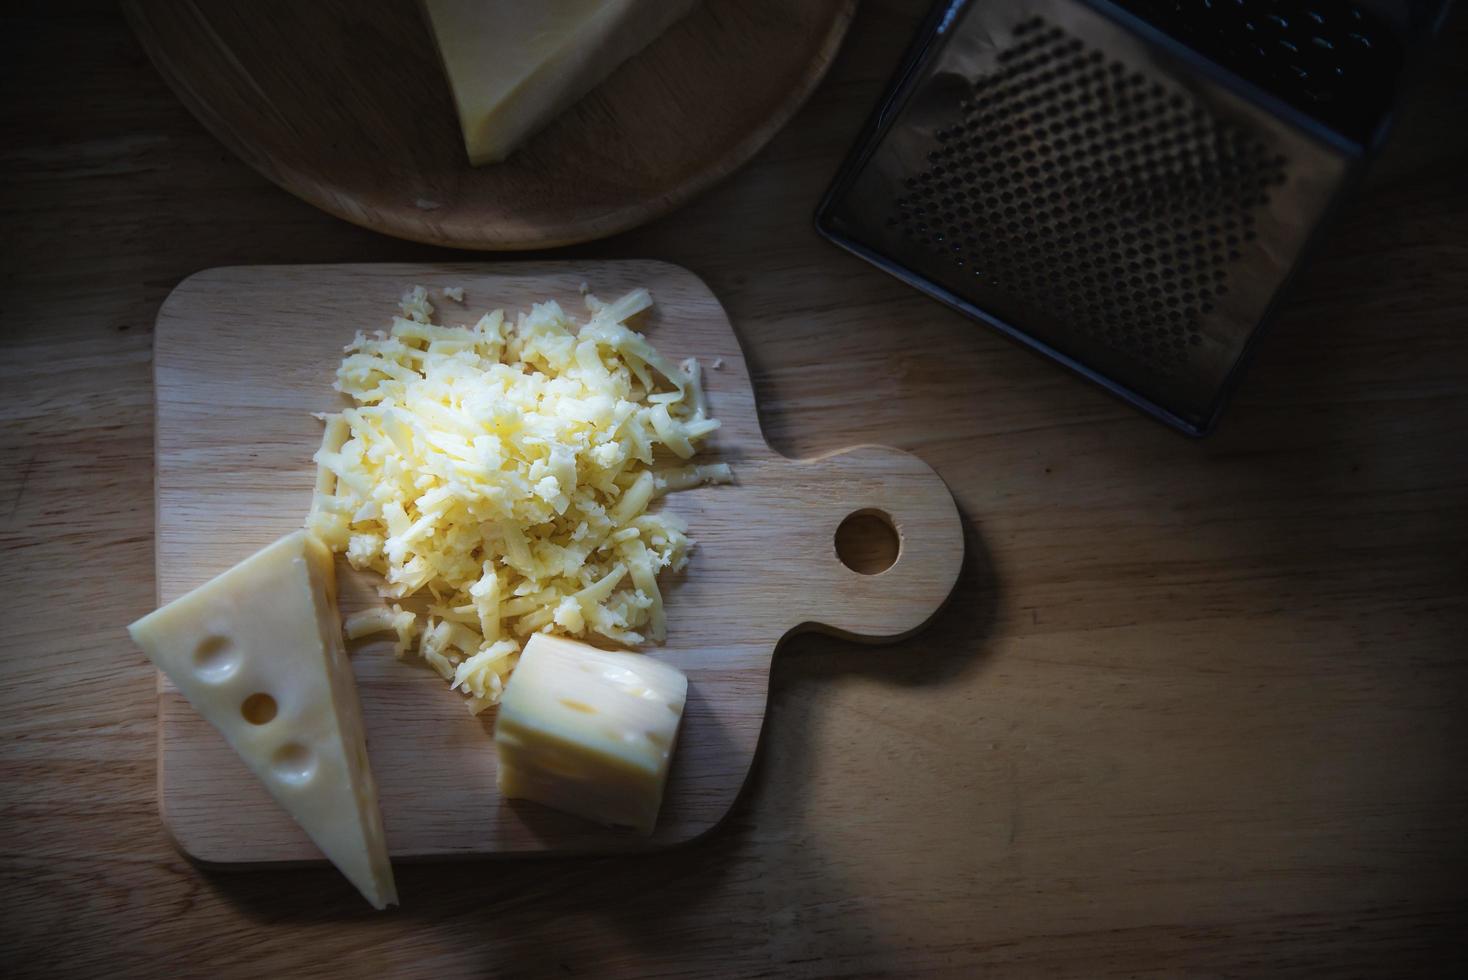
(1116, 205)
(1091, 193)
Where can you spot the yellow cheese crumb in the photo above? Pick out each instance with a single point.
(506, 470)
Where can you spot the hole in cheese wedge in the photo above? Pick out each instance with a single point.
(259, 709)
(274, 618)
(294, 763)
(215, 659)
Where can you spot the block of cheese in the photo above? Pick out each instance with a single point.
(514, 66)
(589, 731)
(258, 652)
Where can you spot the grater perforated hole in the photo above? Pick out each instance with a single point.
(1094, 195)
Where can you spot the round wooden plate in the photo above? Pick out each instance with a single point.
(345, 105)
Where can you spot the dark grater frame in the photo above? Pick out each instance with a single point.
(1094, 190)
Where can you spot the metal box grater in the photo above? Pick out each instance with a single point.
(1125, 187)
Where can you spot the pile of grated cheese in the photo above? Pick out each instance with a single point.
(504, 472)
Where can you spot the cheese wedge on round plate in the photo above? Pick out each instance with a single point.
(514, 65)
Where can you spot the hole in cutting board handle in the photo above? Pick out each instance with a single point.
(867, 542)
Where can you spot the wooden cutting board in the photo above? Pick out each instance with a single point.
(243, 356)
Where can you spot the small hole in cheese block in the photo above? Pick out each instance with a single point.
(866, 542)
(258, 709)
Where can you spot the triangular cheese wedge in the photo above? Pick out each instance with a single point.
(514, 66)
(258, 652)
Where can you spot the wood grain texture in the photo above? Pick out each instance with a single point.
(345, 104)
(1195, 708)
(243, 356)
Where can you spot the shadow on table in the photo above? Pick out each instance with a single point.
(719, 904)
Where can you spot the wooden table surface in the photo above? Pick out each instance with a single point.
(1196, 708)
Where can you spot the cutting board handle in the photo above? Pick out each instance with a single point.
(897, 489)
